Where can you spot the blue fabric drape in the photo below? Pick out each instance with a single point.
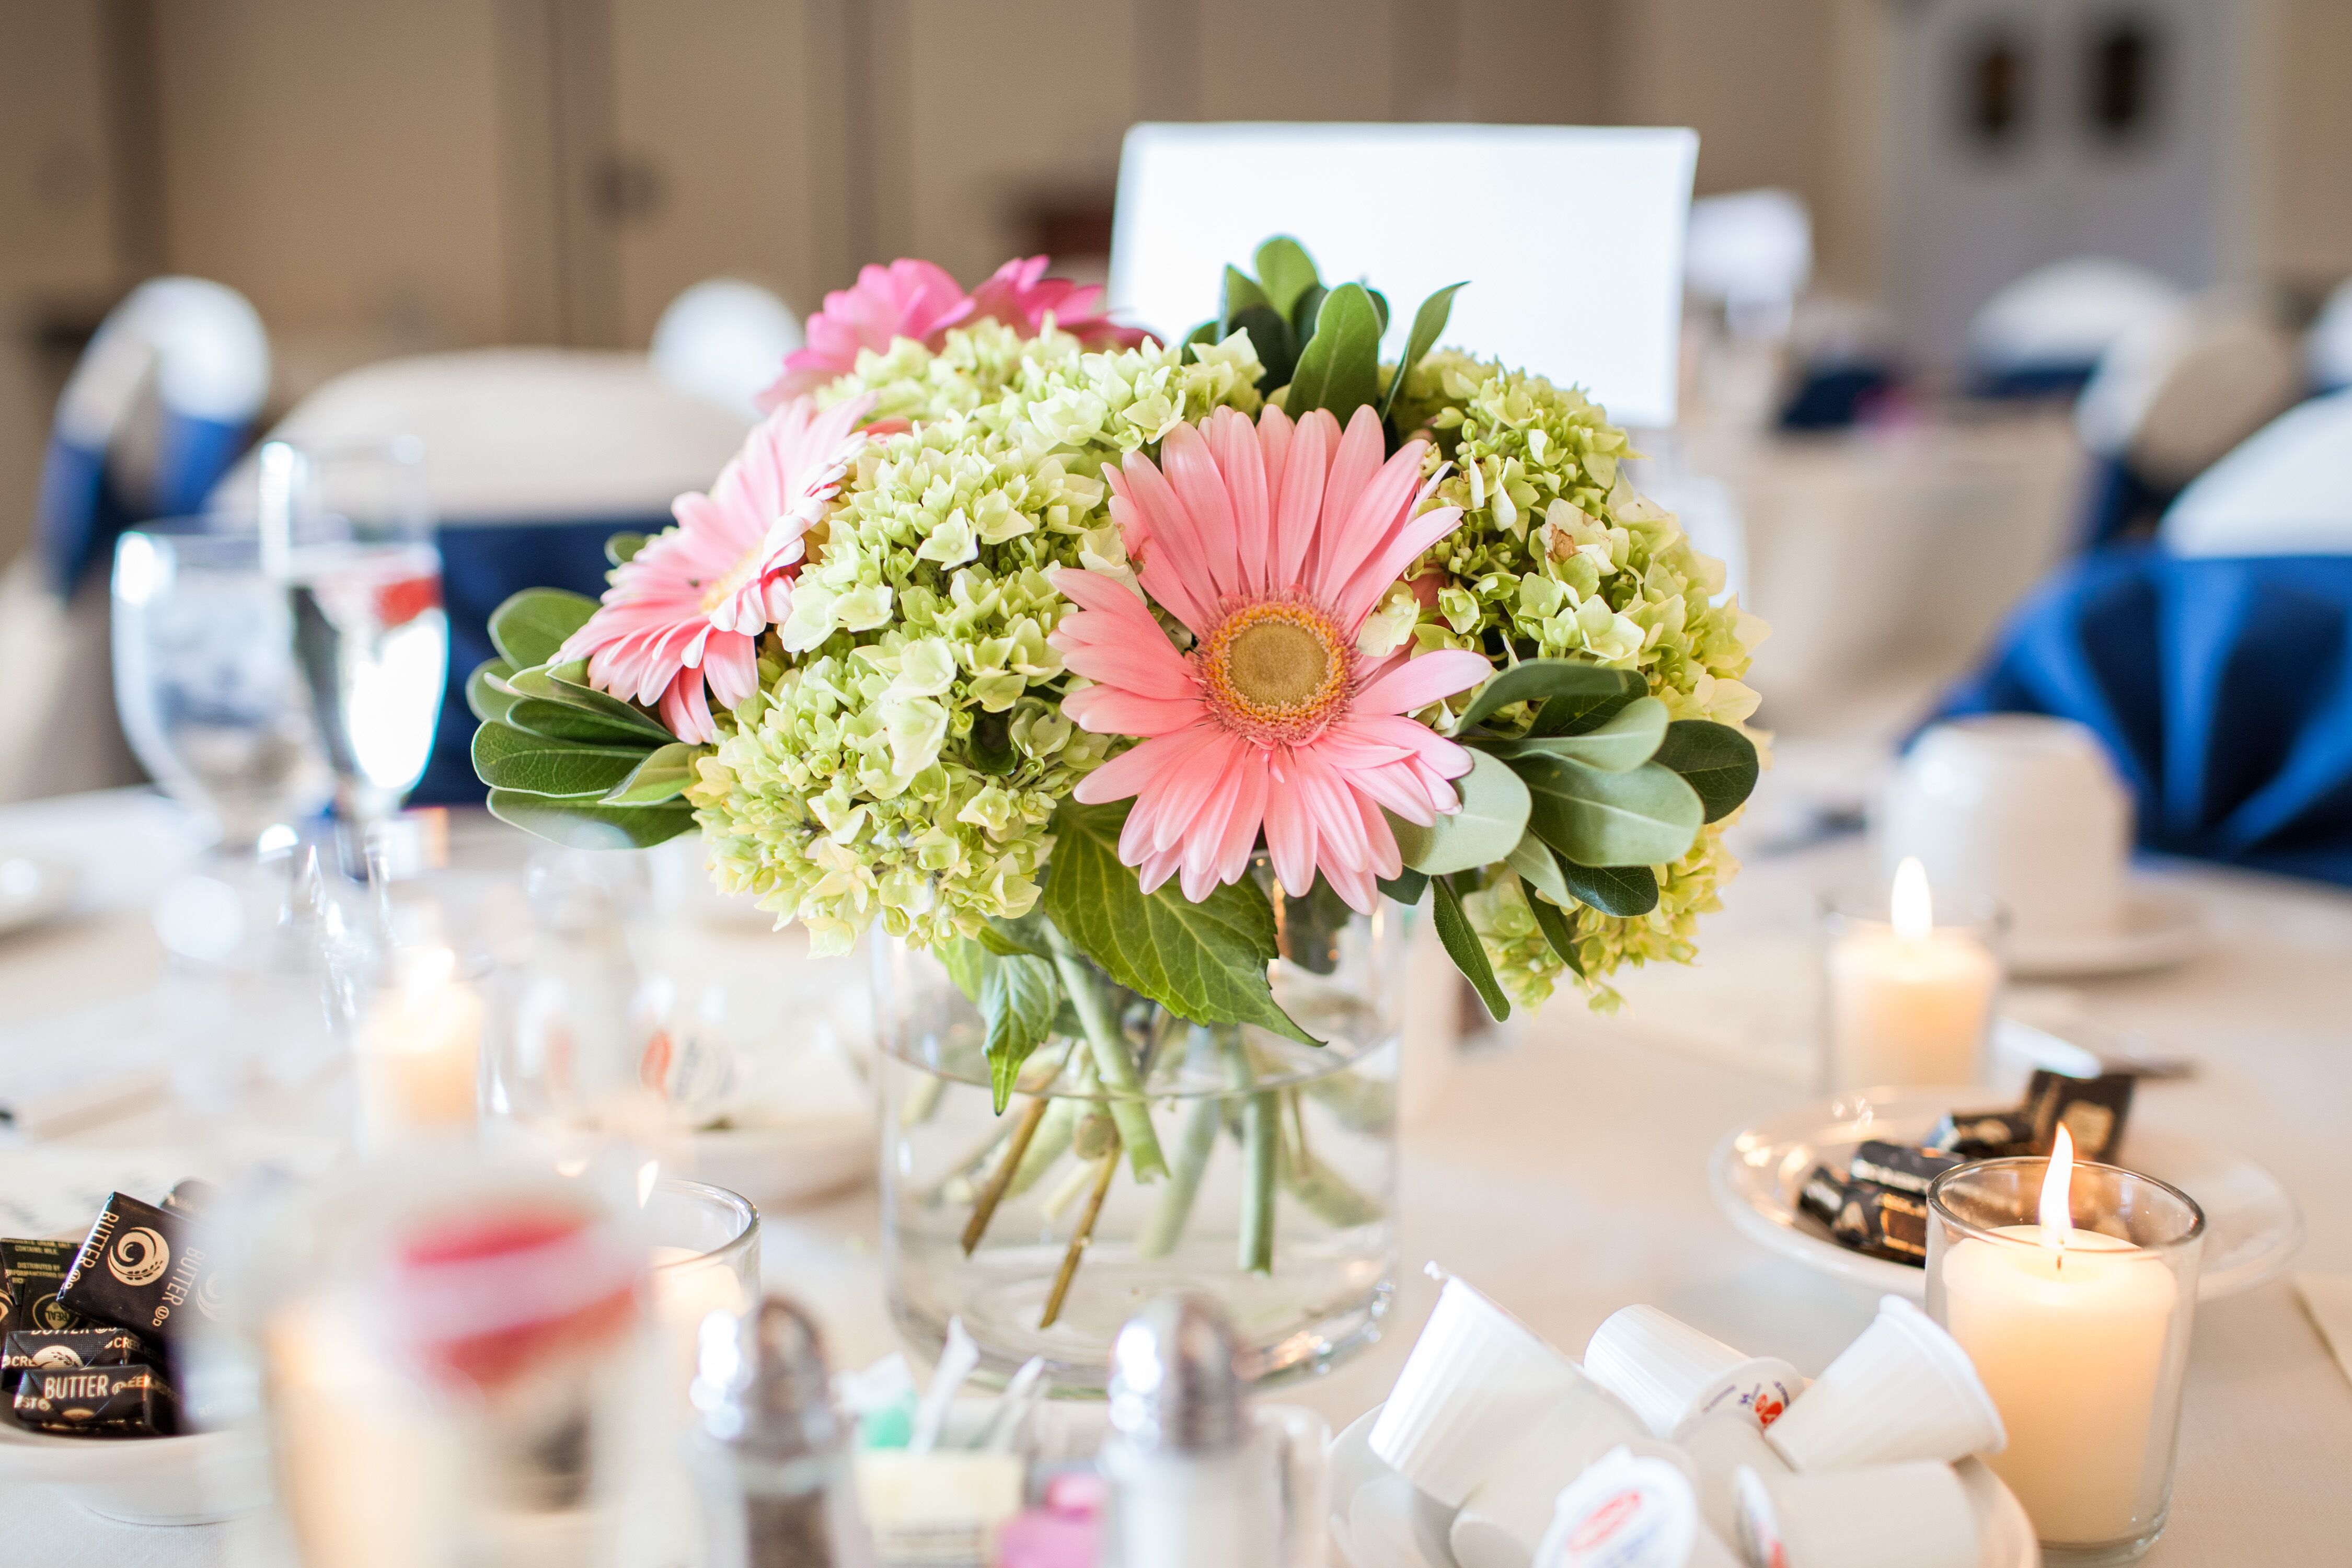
(80, 511)
(2223, 689)
(482, 565)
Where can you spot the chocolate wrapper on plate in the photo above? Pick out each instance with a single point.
(1983, 1134)
(1899, 1166)
(190, 1197)
(26, 1350)
(1883, 1222)
(2092, 1110)
(30, 1274)
(139, 1270)
(98, 1401)
(1822, 1195)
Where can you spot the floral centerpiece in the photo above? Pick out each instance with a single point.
(1119, 674)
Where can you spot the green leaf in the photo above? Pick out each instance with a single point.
(622, 548)
(1625, 891)
(1463, 946)
(1285, 271)
(1646, 817)
(663, 775)
(1574, 715)
(1538, 864)
(1552, 921)
(1006, 936)
(993, 751)
(1626, 742)
(484, 695)
(1379, 306)
(1427, 323)
(1535, 679)
(544, 682)
(1206, 332)
(1406, 887)
(1240, 292)
(530, 625)
(1340, 368)
(1204, 961)
(559, 721)
(1494, 815)
(1270, 335)
(1018, 1000)
(1304, 314)
(1715, 760)
(591, 824)
(509, 759)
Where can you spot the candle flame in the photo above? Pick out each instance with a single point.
(1910, 903)
(2057, 1212)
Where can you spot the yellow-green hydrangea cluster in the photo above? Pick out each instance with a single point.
(907, 748)
(1558, 557)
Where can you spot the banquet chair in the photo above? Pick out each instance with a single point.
(532, 458)
(722, 338)
(2222, 687)
(2173, 395)
(2042, 334)
(2327, 346)
(2287, 490)
(158, 406)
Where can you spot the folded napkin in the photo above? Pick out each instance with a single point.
(2222, 687)
(2328, 1299)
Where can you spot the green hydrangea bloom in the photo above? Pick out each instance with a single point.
(906, 753)
(1558, 557)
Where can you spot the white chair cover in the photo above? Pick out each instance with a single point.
(2065, 315)
(2177, 391)
(2327, 347)
(2287, 491)
(725, 340)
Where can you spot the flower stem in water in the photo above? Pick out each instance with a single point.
(1082, 1236)
(1261, 1153)
(1112, 1058)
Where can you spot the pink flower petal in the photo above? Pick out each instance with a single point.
(1194, 477)
(1107, 710)
(1352, 468)
(1384, 859)
(1183, 548)
(685, 712)
(1248, 816)
(1402, 548)
(1132, 771)
(1423, 681)
(1289, 837)
(1241, 464)
(1352, 538)
(1299, 501)
(1155, 672)
(1186, 790)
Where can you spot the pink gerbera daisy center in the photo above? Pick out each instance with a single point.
(1276, 670)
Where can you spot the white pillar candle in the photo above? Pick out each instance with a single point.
(420, 1051)
(2068, 1332)
(1907, 1003)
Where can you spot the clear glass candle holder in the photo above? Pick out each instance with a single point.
(705, 1259)
(2083, 1347)
(1907, 1007)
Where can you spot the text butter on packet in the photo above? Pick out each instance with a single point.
(138, 1270)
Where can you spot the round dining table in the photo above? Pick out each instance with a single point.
(1559, 1163)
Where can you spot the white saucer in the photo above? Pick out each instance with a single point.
(2160, 927)
(1418, 1539)
(2252, 1227)
(197, 1479)
(34, 888)
(780, 1166)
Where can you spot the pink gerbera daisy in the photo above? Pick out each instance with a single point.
(908, 298)
(1271, 544)
(1020, 295)
(689, 608)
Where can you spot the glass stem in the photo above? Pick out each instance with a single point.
(1261, 1155)
(1113, 1060)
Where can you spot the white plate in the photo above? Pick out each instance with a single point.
(2252, 1227)
(2006, 1533)
(34, 888)
(2160, 927)
(197, 1479)
(781, 1166)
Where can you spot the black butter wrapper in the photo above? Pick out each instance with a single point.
(26, 1350)
(104, 1401)
(1983, 1134)
(1899, 1166)
(30, 1273)
(190, 1197)
(2092, 1110)
(1883, 1222)
(1822, 1195)
(140, 1270)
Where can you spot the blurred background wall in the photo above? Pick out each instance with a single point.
(385, 176)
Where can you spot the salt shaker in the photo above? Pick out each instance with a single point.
(1191, 1480)
(775, 1460)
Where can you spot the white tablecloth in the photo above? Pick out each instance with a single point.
(1563, 1170)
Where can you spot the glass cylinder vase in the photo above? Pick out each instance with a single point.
(1140, 1153)
(2081, 1340)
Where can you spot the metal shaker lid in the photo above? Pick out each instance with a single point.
(1177, 1378)
(762, 1379)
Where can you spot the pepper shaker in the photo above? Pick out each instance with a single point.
(775, 1460)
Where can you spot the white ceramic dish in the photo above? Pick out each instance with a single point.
(198, 1480)
(2160, 927)
(2252, 1226)
(34, 888)
(2008, 1535)
(780, 1166)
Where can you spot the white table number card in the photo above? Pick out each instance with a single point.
(1570, 236)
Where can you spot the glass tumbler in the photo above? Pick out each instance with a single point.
(2082, 1346)
(1908, 994)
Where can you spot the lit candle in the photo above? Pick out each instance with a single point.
(2068, 1330)
(420, 1050)
(1907, 1003)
